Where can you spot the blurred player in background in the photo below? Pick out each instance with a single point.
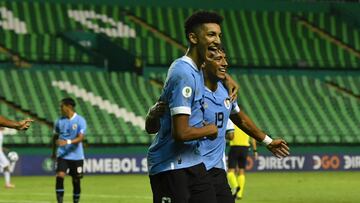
(69, 131)
(4, 162)
(18, 125)
(237, 158)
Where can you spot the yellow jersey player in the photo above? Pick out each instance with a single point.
(237, 158)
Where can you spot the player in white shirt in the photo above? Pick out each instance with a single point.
(5, 163)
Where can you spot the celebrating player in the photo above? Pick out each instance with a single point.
(175, 166)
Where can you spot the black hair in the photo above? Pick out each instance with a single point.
(68, 101)
(201, 17)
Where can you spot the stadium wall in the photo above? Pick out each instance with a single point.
(132, 160)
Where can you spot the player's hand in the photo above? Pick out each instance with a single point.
(157, 110)
(214, 131)
(279, 148)
(232, 87)
(24, 124)
(61, 142)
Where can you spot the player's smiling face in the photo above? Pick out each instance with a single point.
(208, 38)
(217, 66)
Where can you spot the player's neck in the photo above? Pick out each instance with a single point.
(70, 114)
(210, 83)
(193, 54)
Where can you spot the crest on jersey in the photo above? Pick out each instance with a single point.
(74, 126)
(205, 105)
(186, 91)
(227, 103)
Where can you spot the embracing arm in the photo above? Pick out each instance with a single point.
(231, 86)
(152, 122)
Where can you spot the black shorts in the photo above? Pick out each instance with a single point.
(72, 167)
(238, 156)
(185, 185)
(221, 186)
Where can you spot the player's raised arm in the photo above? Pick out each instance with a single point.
(277, 146)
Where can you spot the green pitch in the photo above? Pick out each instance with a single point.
(320, 187)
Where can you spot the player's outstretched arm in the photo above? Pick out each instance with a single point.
(152, 122)
(277, 146)
(19, 125)
(183, 132)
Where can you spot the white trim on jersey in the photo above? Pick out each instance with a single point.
(180, 110)
(190, 61)
(224, 161)
(235, 110)
(75, 114)
(230, 126)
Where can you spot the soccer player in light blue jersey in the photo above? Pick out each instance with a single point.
(217, 109)
(175, 165)
(69, 132)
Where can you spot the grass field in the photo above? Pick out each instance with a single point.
(310, 187)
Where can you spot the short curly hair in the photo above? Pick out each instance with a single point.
(68, 102)
(201, 17)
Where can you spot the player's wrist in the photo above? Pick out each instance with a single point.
(267, 140)
(68, 142)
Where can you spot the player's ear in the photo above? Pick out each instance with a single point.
(193, 38)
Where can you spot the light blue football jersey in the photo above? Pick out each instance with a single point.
(68, 129)
(217, 108)
(183, 92)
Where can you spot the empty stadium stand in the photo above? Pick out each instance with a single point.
(252, 38)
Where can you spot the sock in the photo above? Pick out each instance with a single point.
(232, 180)
(77, 190)
(241, 182)
(59, 189)
(7, 177)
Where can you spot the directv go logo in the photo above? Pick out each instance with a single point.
(326, 162)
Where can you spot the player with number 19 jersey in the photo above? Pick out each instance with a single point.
(217, 109)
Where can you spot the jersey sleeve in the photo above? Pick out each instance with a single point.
(181, 88)
(56, 129)
(82, 127)
(230, 126)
